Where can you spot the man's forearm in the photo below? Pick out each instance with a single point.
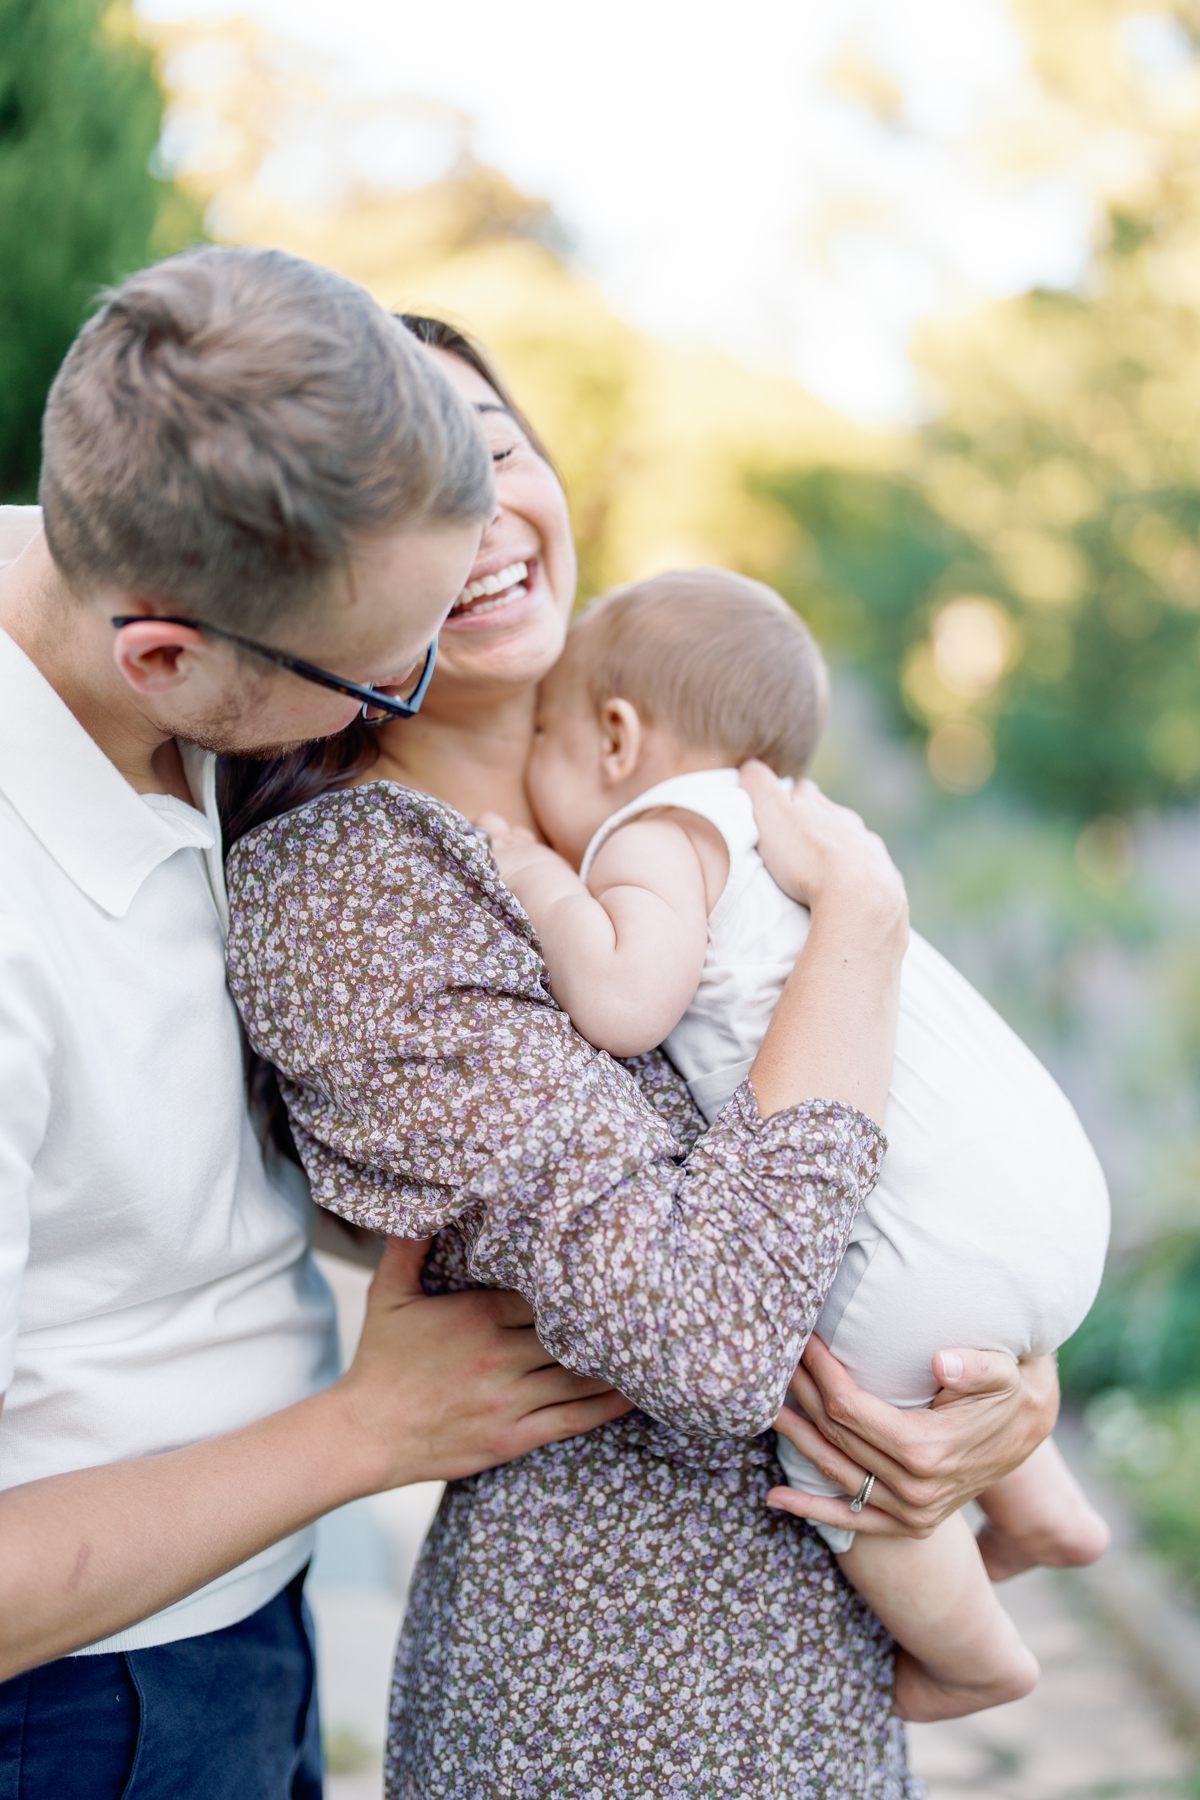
(439, 1388)
(86, 1554)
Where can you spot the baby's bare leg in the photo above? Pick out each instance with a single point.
(1039, 1516)
(957, 1649)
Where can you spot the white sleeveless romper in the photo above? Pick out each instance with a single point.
(989, 1224)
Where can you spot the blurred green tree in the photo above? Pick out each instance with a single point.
(1026, 592)
(1144, 1330)
(80, 115)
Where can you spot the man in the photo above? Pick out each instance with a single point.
(245, 441)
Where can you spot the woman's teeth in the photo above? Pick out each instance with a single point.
(491, 590)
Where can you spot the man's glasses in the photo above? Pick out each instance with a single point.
(376, 706)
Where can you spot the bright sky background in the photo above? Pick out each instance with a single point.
(690, 149)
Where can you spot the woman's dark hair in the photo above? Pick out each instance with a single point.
(250, 791)
(440, 336)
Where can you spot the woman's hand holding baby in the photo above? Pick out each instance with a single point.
(988, 1416)
(833, 1033)
(816, 850)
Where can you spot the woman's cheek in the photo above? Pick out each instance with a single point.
(548, 512)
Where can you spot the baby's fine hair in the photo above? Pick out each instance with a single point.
(719, 660)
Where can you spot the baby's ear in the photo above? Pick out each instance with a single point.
(622, 741)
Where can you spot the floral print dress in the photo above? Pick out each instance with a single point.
(619, 1615)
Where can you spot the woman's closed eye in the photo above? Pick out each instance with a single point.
(506, 444)
(505, 438)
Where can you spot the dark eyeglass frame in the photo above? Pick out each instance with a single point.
(370, 697)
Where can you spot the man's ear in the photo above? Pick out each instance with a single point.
(622, 739)
(152, 655)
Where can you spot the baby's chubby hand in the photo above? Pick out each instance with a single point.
(517, 851)
(504, 836)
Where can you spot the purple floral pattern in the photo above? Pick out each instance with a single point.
(619, 1615)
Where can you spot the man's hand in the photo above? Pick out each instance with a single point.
(441, 1387)
(450, 1385)
(988, 1416)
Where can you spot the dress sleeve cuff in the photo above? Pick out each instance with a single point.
(826, 1135)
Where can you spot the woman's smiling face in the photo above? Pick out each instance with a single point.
(508, 625)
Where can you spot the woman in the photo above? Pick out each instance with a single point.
(619, 1614)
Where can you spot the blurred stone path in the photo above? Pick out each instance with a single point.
(1095, 1729)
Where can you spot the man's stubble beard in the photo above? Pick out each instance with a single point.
(223, 745)
(225, 732)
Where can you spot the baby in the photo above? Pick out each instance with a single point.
(989, 1224)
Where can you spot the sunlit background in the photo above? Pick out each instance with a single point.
(892, 303)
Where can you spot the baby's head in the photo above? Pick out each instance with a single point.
(698, 669)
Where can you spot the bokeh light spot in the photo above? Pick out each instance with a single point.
(961, 756)
(974, 642)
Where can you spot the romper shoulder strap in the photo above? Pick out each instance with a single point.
(715, 794)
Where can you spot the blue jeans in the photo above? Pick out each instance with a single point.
(231, 1715)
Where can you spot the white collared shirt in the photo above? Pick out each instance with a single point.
(156, 1286)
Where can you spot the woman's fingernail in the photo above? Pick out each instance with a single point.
(952, 1366)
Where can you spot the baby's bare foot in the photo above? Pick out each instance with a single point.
(1069, 1540)
(919, 1697)
(1039, 1516)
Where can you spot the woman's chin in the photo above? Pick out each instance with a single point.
(518, 641)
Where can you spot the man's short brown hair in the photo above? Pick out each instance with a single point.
(232, 423)
(719, 660)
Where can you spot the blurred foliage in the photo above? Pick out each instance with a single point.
(1151, 1448)
(654, 441)
(1136, 1358)
(1020, 579)
(1026, 592)
(1144, 1331)
(80, 114)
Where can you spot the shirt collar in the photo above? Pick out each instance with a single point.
(79, 806)
(200, 767)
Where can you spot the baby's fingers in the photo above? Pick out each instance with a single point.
(503, 835)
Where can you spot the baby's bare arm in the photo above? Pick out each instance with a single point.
(625, 952)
